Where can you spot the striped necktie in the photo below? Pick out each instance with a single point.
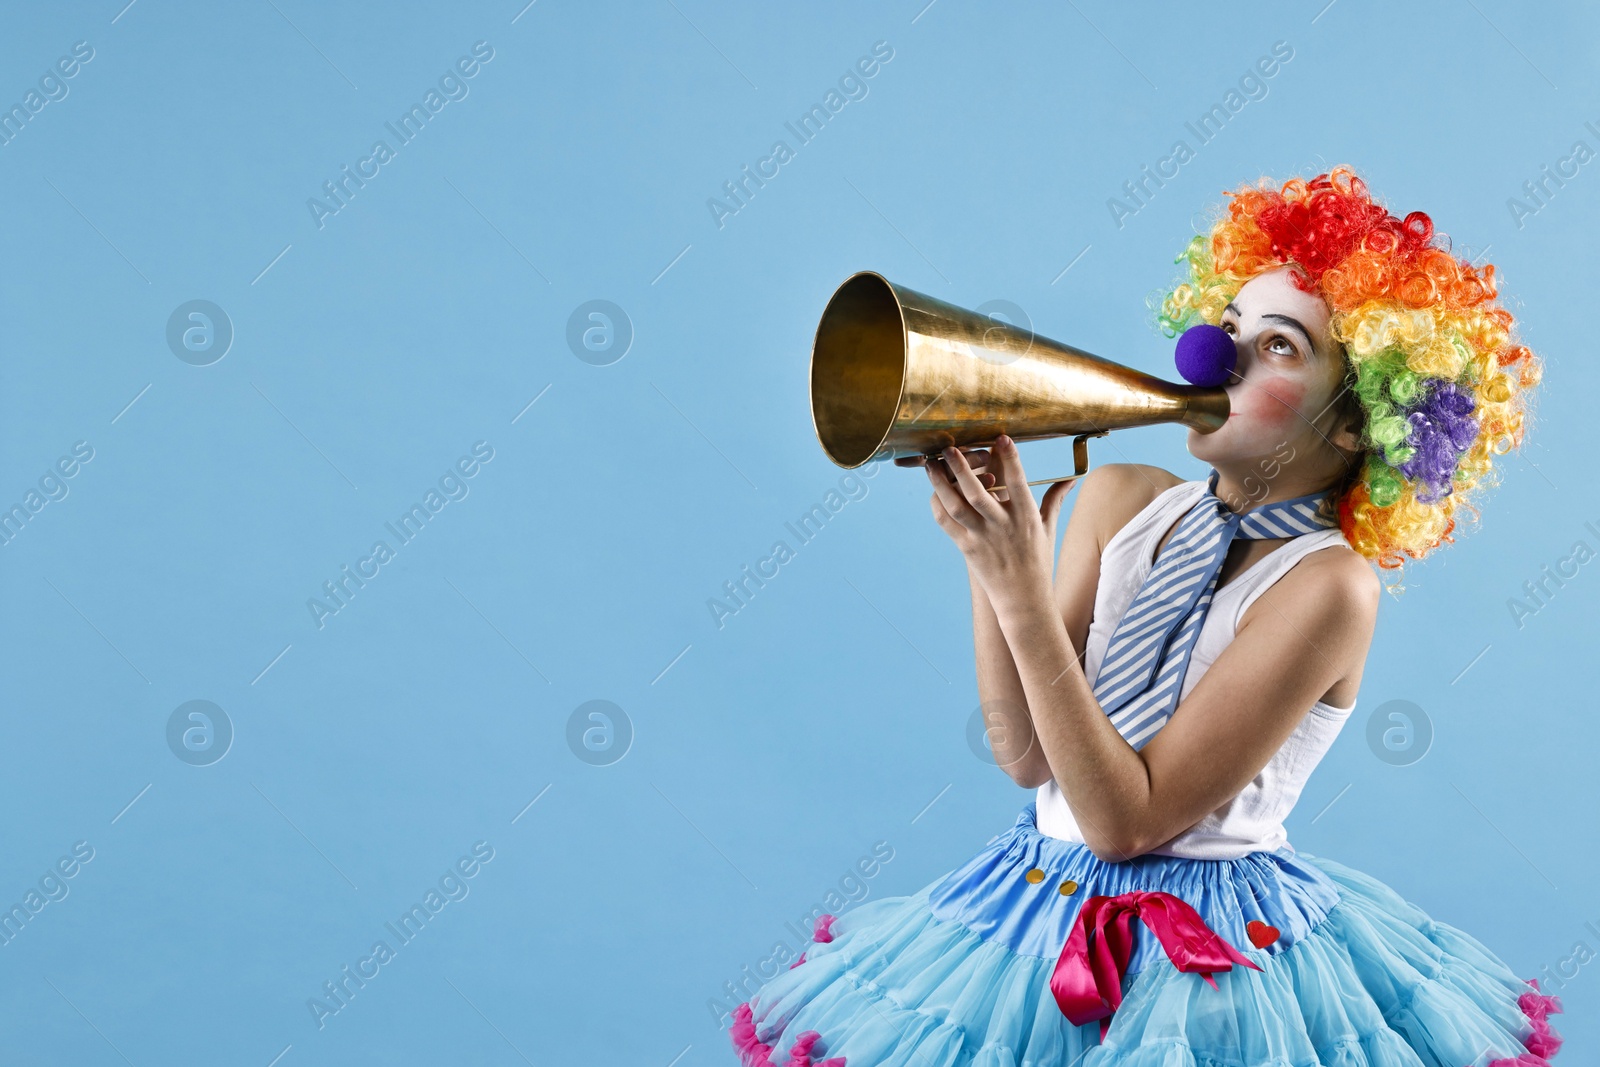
(1147, 657)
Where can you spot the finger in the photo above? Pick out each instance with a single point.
(938, 463)
(948, 494)
(1009, 467)
(982, 463)
(988, 479)
(956, 502)
(981, 468)
(971, 487)
(942, 516)
(976, 456)
(1050, 506)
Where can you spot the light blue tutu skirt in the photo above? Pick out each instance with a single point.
(959, 974)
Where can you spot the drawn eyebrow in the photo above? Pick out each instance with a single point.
(1295, 323)
(1285, 319)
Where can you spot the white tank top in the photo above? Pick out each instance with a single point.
(1253, 820)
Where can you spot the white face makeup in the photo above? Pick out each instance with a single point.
(1289, 374)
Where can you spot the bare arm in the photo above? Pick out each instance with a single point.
(1314, 630)
(1107, 497)
(1240, 712)
(1001, 696)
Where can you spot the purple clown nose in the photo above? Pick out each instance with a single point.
(1206, 355)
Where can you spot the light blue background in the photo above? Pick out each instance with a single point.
(828, 714)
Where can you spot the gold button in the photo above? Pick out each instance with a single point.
(1034, 876)
(1068, 887)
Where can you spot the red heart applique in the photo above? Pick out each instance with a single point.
(1261, 935)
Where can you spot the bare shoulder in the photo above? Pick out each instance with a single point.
(1341, 571)
(1333, 594)
(1114, 493)
(1339, 579)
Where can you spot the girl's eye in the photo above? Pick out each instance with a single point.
(1283, 346)
(1228, 326)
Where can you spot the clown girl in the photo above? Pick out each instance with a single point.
(1170, 683)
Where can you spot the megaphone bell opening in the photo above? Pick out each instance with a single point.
(858, 367)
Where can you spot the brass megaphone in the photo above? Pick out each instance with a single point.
(897, 373)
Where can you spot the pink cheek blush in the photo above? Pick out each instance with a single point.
(1276, 403)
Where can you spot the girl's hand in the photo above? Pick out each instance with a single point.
(1009, 544)
(977, 459)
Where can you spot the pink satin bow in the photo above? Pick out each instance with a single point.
(1087, 980)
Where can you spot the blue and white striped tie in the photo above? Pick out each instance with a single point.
(1163, 622)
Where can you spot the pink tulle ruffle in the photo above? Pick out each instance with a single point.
(753, 1053)
(822, 933)
(1543, 1042)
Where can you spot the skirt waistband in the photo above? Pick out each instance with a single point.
(1024, 890)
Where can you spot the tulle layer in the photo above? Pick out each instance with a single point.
(1375, 983)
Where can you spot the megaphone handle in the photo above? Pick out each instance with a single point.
(1080, 460)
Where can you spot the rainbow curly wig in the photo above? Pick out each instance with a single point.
(1434, 376)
